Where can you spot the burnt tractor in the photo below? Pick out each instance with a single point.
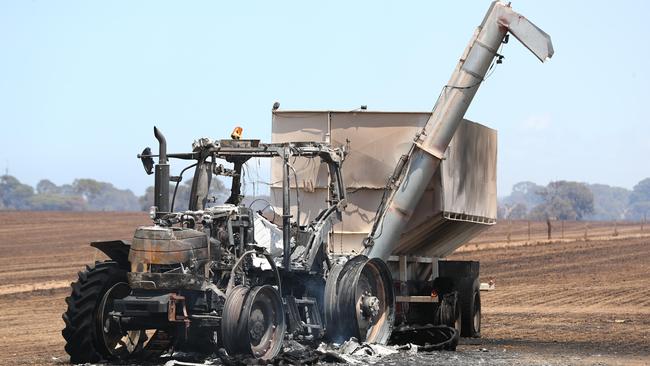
(201, 279)
(224, 275)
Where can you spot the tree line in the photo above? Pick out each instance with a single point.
(560, 200)
(566, 200)
(88, 195)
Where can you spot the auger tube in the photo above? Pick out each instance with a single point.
(431, 143)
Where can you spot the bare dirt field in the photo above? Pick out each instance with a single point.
(566, 302)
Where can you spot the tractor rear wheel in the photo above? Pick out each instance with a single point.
(89, 333)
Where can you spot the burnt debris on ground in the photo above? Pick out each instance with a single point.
(405, 340)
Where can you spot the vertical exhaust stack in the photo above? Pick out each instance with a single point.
(161, 185)
(430, 145)
(286, 210)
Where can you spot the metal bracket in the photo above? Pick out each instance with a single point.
(175, 299)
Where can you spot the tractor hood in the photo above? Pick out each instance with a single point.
(167, 245)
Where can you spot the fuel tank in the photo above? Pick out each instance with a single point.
(166, 245)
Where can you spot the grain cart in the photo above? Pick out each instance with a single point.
(225, 275)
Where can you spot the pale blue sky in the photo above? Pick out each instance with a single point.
(82, 83)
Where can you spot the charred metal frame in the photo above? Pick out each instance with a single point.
(240, 151)
(357, 293)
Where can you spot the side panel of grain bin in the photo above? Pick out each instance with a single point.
(459, 202)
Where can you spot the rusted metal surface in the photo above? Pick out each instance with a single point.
(265, 327)
(416, 298)
(117, 250)
(167, 245)
(253, 322)
(165, 281)
(175, 301)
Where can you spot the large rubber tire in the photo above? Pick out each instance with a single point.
(449, 312)
(83, 339)
(470, 305)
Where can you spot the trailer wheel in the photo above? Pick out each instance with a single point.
(458, 322)
(449, 312)
(360, 302)
(470, 303)
(89, 333)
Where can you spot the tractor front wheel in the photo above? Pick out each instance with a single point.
(90, 333)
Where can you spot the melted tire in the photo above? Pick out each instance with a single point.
(345, 313)
(253, 322)
(230, 323)
(470, 304)
(83, 338)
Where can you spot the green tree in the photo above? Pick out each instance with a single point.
(639, 202)
(610, 203)
(57, 202)
(518, 212)
(641, 192)
(146, 200)
(565, 201)
(15, 195)
(639, 211)
(525, 193)
(101, 196)
(89, 189)
(45, 186)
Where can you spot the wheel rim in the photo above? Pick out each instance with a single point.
(365, 296)
(253, 322)
(372, 303)
(265, 323)
(118, 343)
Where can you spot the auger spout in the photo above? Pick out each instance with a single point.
(431, 143)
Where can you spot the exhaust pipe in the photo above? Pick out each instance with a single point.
(161, 185)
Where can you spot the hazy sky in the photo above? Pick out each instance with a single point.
(82, 83)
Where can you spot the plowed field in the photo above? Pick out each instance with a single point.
(565, 302)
